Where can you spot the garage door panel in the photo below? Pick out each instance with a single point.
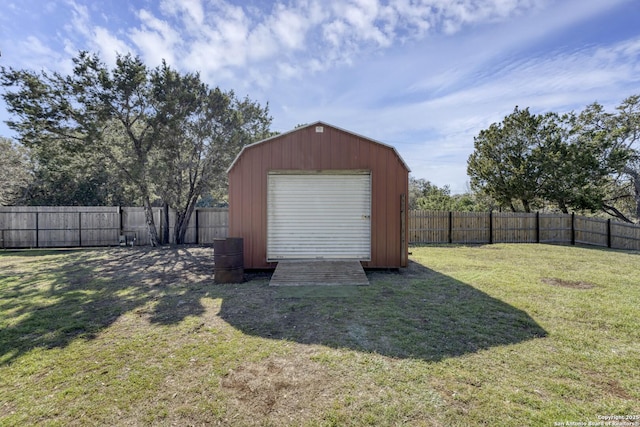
(319, 216)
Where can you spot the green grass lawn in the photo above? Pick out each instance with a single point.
(479, 335)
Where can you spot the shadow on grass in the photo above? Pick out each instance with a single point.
(414, 313)
(77, 295)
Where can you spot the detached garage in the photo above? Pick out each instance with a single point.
(319, 192)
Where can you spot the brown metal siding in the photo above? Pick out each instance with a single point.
(304, 149)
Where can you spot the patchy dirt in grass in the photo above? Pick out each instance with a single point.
(573, 284)
(279, 388)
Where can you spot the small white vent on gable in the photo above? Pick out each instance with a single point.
(319, 129)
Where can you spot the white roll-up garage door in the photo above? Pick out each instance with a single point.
(321, 215)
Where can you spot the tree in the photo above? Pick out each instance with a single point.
(502, 165)
(168, 135)
(626, 138)
(425, 195)
(197, 148)
(92, 110)
(575, 161)
(15, 174)
(63, 178)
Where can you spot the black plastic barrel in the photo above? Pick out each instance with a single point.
(228, 257)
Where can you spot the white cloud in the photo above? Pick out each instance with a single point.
(192, 11)
(157, 40)
(83, 32)
(108, 45)
(424, 75)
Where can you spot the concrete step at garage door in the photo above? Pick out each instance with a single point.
(319, 273)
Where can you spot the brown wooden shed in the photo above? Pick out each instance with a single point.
(317, 192)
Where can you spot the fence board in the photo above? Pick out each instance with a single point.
(99, 228)
(470, 227)
(213, 223)
(514, 228)
(42, 226)
(591, 231)
(625, 236)
(555, 228)
(428, 227)
(507, 227)
(17, 229)
(134, 224)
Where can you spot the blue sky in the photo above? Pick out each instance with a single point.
(425, 76)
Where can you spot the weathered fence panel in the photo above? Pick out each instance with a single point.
(514, 228)
(213, 223)
(591, 231)
(99, 228)
(74, 226)
(134, 224)
(59, 226)
(625, 236)
(554, 228)
(508, 227)
(429, 226)
(18, 229)
(470, 227)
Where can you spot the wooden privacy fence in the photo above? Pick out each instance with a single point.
(76, 226)
(502, 227)
(73, 226)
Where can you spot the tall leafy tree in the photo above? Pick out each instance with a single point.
(575, 160)
(159, 129)
(425, 195)
(578, 161)
(95, 109)
(626, 138)
(15, 172)
(595, 156)
(197, 148)
(503, 166)
(63, 178)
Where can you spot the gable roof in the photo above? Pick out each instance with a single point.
(318, 123)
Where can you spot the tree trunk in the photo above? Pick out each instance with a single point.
(527, 206)
(182, 223)
(611, 210)
(635, 180)
(636, 198)
(180, 227)
(563, 207)
(151, 224)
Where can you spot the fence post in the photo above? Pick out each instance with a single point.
(609, 232)
(120, 219)
(37, 231)
(450, 227)
(197, 227)
(573, 228)
(491, 227)
(80, 229)
(537, 227)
